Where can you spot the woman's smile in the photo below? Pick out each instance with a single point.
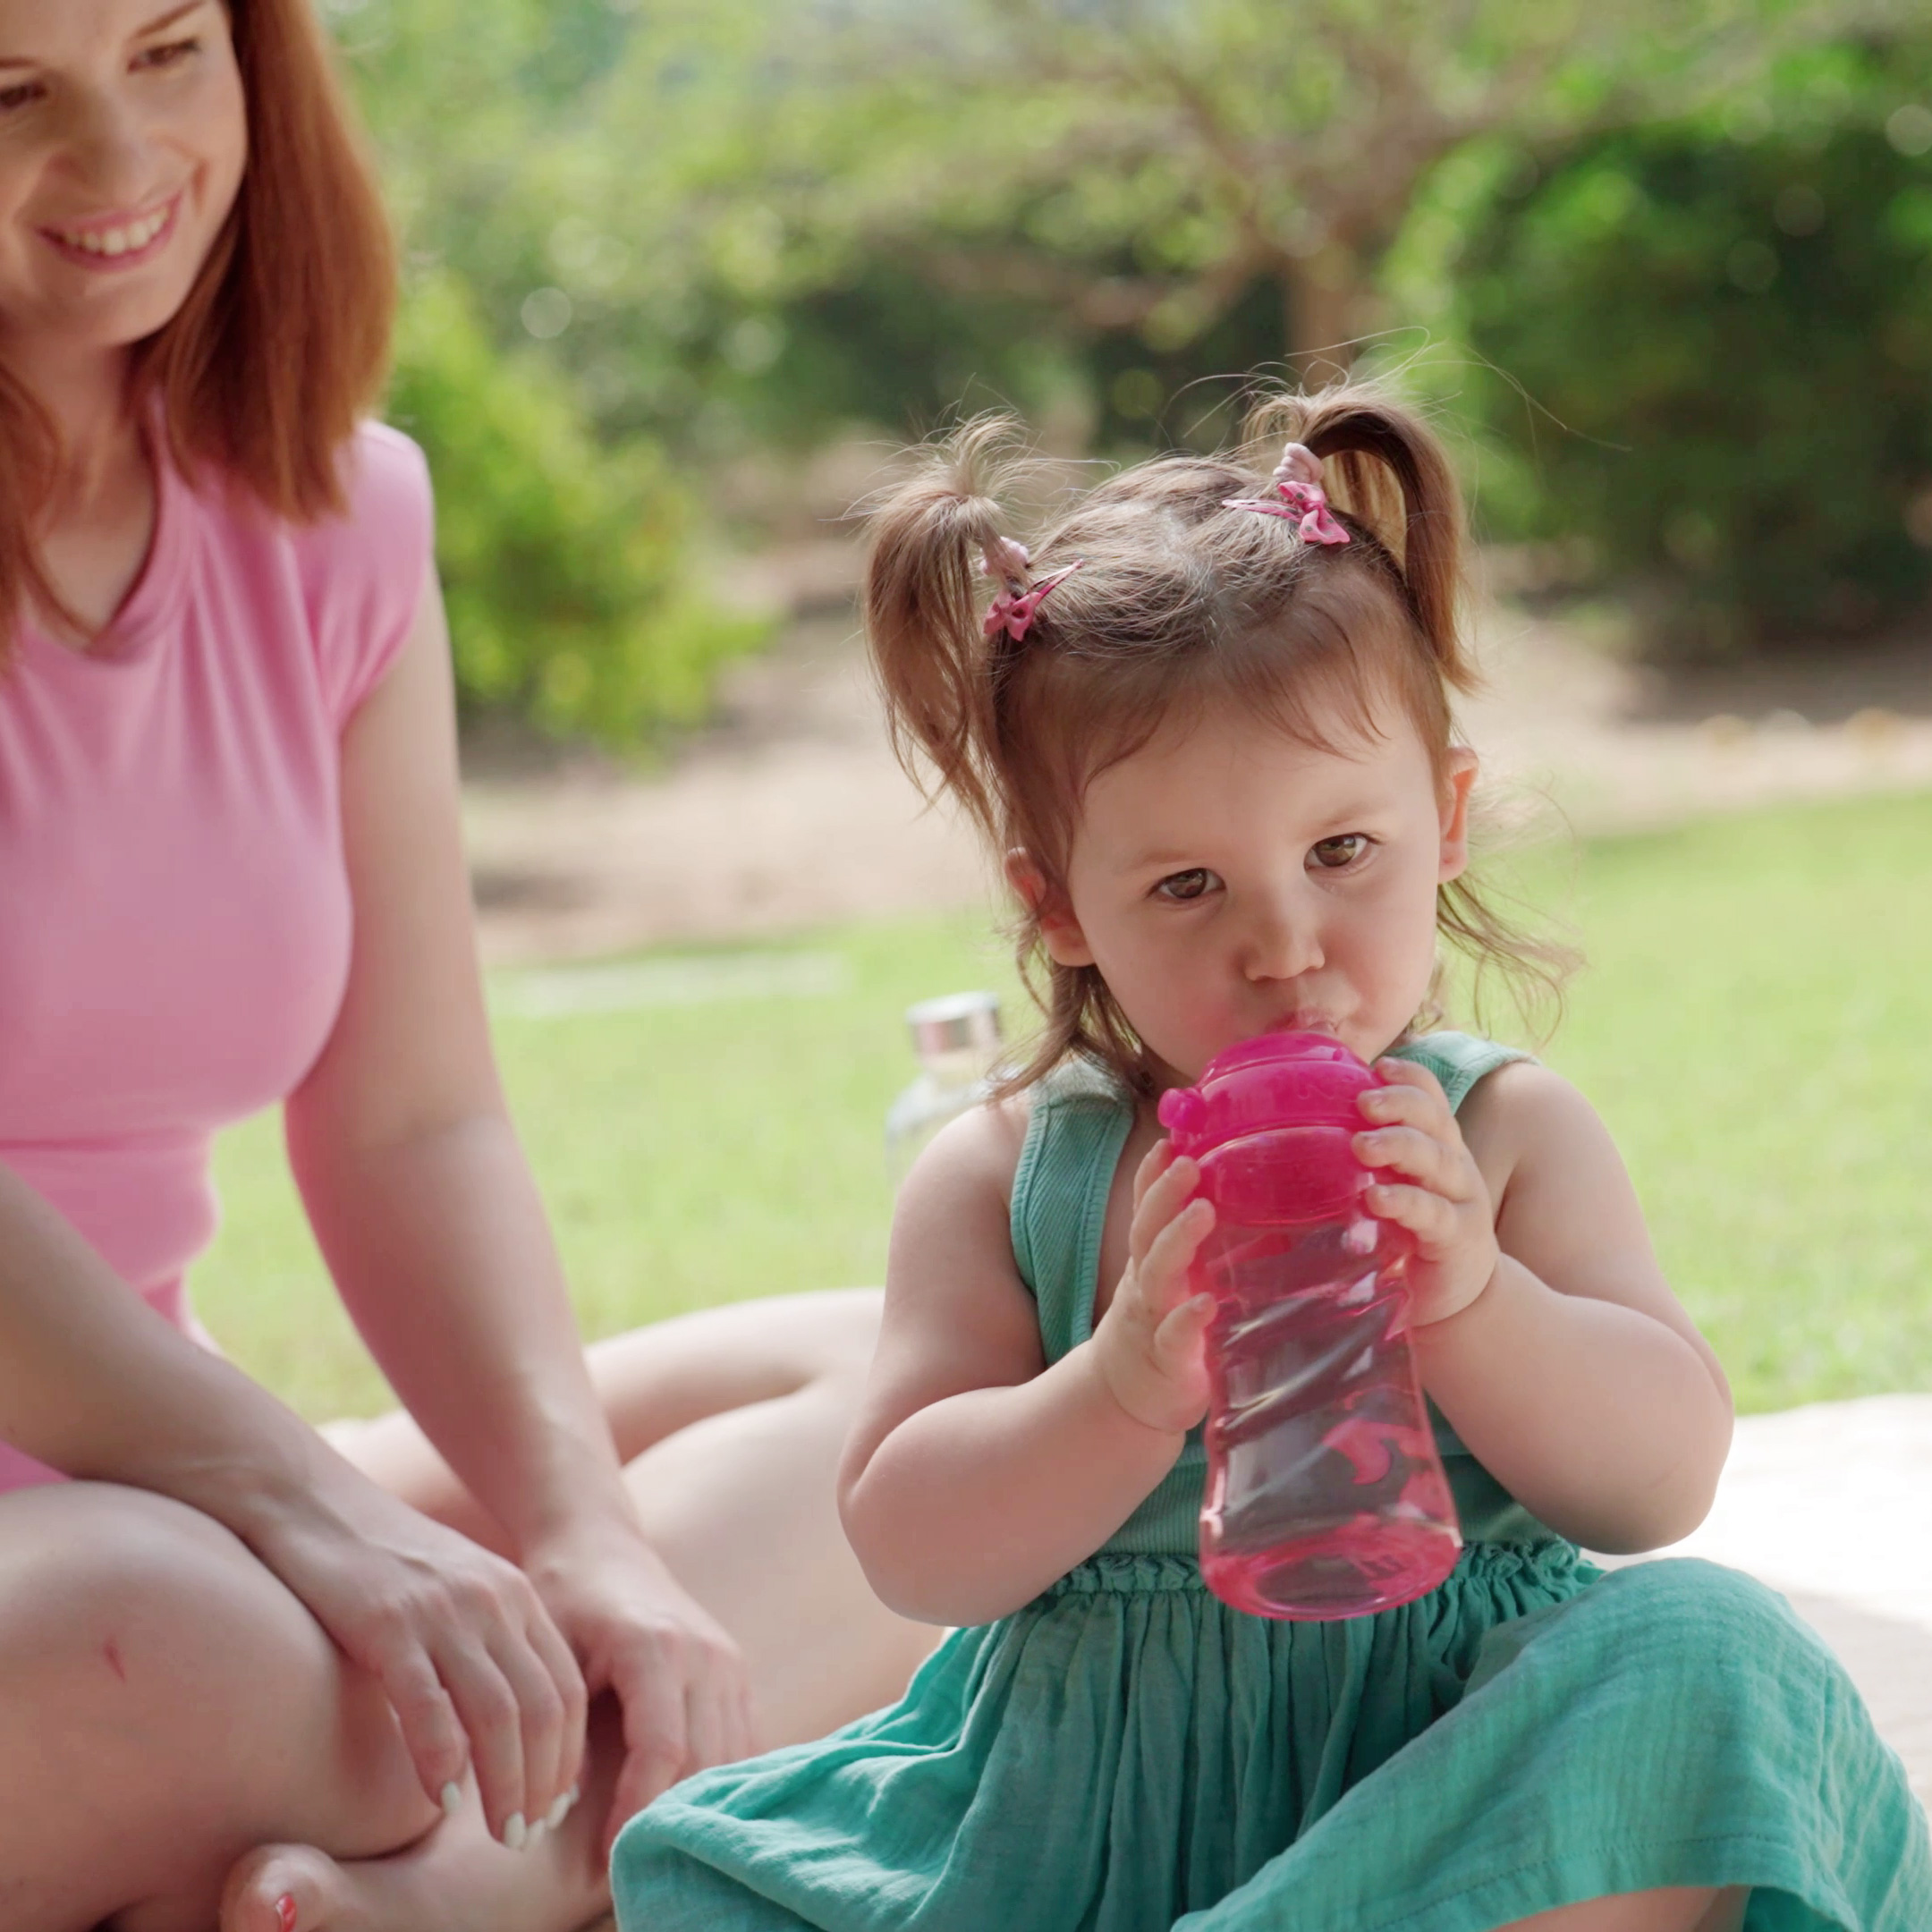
(115, 242)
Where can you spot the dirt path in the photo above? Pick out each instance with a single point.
(789, 812)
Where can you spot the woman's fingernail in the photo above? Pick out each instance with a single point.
(538, 1831)
(560, 1809)
(284, 1914)
(452, 1798)
(515, 1831)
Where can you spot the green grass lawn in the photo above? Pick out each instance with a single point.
(1756, 1025)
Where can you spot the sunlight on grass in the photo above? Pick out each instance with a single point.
(1754, 1026)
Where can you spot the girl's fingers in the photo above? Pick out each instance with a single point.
(1419, 1102)
(1400, 1078)
(1166, 1197)
(1163, 1271)
(1158, 1159)
(1408, 1150)
(1178, 1341)
(1428, 1216)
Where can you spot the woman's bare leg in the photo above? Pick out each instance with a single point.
(168, 1704)
(731, 1422)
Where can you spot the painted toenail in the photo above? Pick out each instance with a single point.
(515, 1831)
(452, 1798)
(284, 1914)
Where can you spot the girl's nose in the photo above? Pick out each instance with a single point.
(1281, 939)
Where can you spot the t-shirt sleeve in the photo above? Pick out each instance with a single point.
(364, 573)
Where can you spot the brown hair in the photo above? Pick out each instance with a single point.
(283, 343)
(1179, 602)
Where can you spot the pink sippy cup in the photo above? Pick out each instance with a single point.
(1326, 1495)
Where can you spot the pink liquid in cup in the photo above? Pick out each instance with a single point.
(1326, 1497)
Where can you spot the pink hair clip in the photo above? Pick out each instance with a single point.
(1004, 558)
(1013, 610)
(1304, 502)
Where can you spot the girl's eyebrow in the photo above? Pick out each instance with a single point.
(160, 24)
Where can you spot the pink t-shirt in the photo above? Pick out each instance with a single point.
(174, 911)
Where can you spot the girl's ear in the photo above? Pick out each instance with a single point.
(1060, 932)
(1458, 781)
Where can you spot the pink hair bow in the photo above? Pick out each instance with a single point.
(1304, 502)
(1012, 610)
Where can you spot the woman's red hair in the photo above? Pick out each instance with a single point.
(283, 344)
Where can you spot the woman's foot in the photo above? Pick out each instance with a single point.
(455, 1879)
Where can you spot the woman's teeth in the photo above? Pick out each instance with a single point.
(113, 241)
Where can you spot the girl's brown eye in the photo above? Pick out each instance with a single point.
(1335, 853)
(1192, 884)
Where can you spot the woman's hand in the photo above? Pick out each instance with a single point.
(471, 1660)
(1443, 1201)
(676, 1674)
(1150, 1346)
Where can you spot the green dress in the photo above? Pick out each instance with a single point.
(1127, 1752)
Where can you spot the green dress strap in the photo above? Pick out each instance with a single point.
(1082, 1118)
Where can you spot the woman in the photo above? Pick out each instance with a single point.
(242, 1671)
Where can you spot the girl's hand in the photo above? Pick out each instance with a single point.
(1148, 1345)
(475, 1669)
(676, 1675)
(1447, 1207)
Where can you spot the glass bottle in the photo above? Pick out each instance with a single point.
(957, 1040)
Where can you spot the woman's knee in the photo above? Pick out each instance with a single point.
(175, 1702)
(140, 1624)
(116, 1620)
(92, 1574)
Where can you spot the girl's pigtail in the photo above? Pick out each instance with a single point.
(922, 600)
(1394, 477)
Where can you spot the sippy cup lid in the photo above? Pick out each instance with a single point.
(1276, 1079)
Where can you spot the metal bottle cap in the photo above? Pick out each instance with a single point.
(957, 1023)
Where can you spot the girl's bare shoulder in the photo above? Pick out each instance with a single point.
(973, 1158)
(1526, 1113)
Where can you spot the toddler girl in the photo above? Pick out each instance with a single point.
(1207, 724)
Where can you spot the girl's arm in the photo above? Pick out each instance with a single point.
(976, 1475)
(1567, 1365)
(430, 1221)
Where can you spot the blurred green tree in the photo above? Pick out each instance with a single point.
(1727, 326)
(1143, 163)
(573, 597)
(571, 557)
(779, 217)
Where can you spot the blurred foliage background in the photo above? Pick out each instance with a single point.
(1665, 267)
